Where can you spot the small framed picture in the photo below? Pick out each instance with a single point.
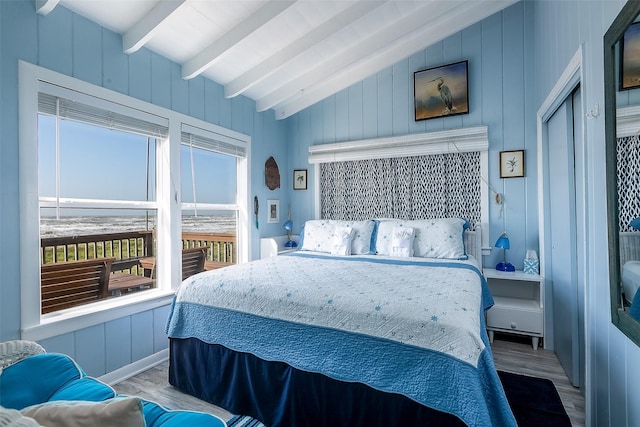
(300, 179)
(273, 210)
(512, 164)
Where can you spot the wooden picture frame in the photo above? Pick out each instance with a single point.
(300, 179)
(273, 211)
(512, 164)
(441, 91)
(630, 58)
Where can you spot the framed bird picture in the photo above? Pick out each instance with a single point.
(441, 91)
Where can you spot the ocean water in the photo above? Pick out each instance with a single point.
(84, 225)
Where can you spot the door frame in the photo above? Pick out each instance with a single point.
(571, 78)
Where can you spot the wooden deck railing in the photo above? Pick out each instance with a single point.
(128, 248)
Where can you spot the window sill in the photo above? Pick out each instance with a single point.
(77, 318)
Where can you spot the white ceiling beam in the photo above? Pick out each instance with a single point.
(315, 36)
(43, 7)
(391, 53)
(145, 28)
(213, 52)
(366, 47)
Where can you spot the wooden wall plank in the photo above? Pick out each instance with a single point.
(118, 343)
(385, 102)
(196, 97)
(140, 75)
(160, 80)
(160, 339)
(54, 41)
(87, 56)
(142, 335)
(91, 350)
(115, 64)
(355, 106)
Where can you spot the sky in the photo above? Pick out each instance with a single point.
(99, 163)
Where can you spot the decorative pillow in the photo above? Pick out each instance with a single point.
(434, 238)
(13, 418)
(79, 413)
(342, 241)
(319, 233)
(362, 232)
(402, 242)
(14, 351)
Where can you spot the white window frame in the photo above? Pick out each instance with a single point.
(35, 326)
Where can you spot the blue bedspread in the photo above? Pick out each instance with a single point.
(413, 327)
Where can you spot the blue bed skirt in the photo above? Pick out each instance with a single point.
(279, 395)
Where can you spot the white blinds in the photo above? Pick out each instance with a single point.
(101, 113)
(206, 140)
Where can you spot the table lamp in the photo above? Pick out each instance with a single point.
(503, 243)
(288, 225)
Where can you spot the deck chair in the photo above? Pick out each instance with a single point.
(72, 283)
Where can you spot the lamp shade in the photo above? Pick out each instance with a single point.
(288, 225)
(503, 241)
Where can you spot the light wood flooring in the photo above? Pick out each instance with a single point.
(510, 354)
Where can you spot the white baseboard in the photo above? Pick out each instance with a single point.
(121, 374)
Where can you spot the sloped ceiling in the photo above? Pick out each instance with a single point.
(285, 55)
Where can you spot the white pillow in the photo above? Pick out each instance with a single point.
(362, 232)
(402, 242)
(434, 238)
(342, 241)
(318, 235)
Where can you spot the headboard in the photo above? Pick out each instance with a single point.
(417, 176)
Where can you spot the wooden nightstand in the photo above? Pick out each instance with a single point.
(519, 304)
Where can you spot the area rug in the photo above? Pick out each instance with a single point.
(534, 402)
(243, 421)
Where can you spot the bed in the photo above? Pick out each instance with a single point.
(370, 323)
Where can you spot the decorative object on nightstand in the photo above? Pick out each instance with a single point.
(288, 225)
(503, 243)
(531, 264)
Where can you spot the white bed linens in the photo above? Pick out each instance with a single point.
(414, 304)
(409, 326)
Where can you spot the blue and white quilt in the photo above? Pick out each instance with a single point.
(412, 326)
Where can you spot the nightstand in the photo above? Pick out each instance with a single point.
(274, 246)
(519, 304)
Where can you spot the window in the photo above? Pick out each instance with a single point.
(209, 166)
(98, 163)
(92, 177)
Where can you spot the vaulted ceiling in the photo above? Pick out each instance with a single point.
(284, 54)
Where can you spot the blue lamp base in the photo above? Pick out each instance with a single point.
(290, 244)
(505, 266)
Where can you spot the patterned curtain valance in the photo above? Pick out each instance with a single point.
(432, 175)
(436, 186)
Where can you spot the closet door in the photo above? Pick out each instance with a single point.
(566, 316)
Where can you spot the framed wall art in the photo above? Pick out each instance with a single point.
(300, 179)
(512, 164)
(630, 58)
(273, 210)
(441, 91)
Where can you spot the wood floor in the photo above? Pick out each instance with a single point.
(511, 355)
